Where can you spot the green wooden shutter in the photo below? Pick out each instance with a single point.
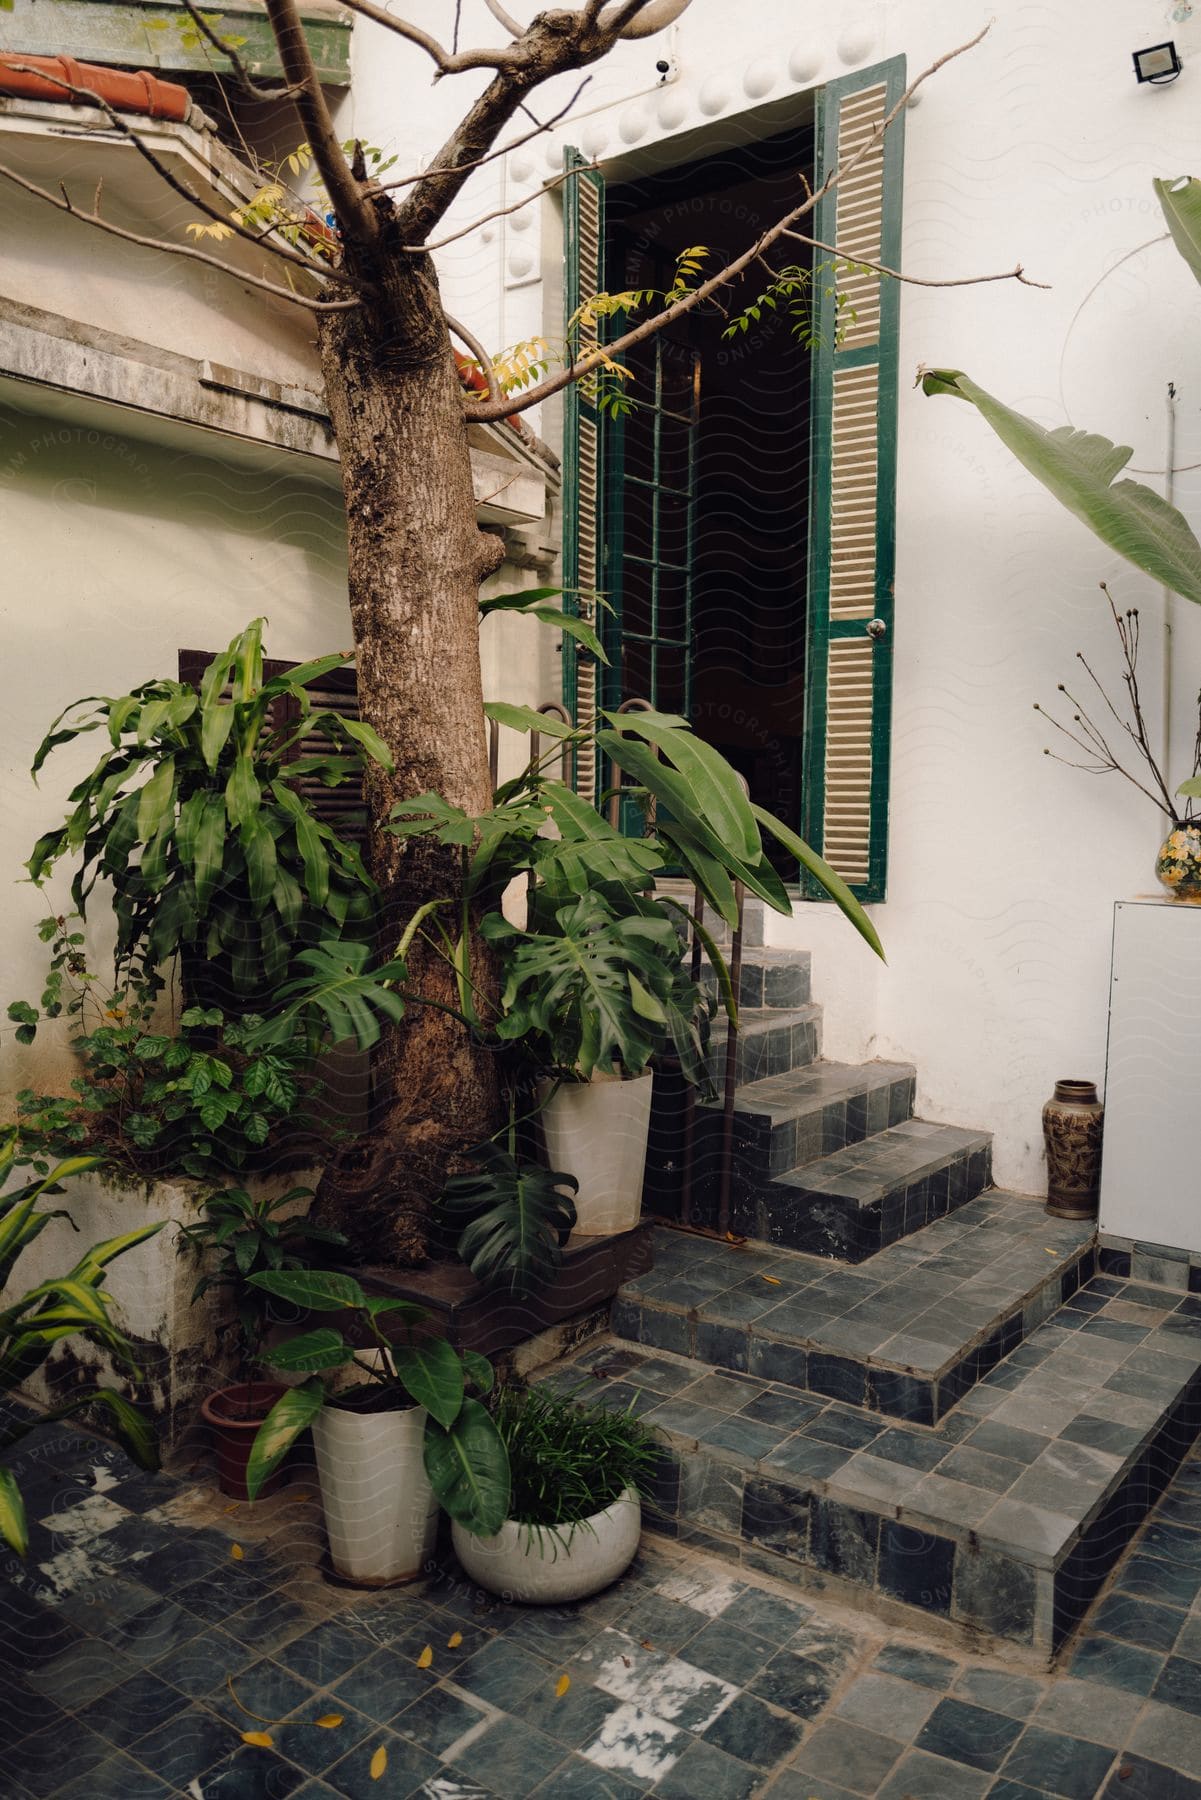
(584, 275)
(852, 517)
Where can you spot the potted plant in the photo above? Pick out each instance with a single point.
(575, 1516)
(396, 1445)
(55, 1309)
(225, 889)
(593, 981)
(239, 1236)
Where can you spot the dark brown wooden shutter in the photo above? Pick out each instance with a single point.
(343, 808)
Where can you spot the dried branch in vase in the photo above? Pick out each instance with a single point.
(1109, 744)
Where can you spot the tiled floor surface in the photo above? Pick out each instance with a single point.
(153, 1624)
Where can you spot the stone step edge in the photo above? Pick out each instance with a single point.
(921, 1171)
(752, 1108)
(722, 1348)
(976, 1573)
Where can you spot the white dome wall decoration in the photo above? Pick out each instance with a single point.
(760, 77)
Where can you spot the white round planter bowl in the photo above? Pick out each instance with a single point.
(381, 1516)
(597, 1130)
(549, 1569)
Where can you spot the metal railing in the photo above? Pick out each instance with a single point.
(694, 950)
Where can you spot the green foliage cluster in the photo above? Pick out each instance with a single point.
(192, 815)
(238, 1237)
(201, 1100)
(568, 1461)
(64, 1306)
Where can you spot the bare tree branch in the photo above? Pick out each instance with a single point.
(354, 213)
(553, 384)
(506, 149)
(150, 243)
(552, 44)
(861, 262)
(447, 62)
(500, 212)
(229, 51)
(480, 354)
(502, 17)
(311, 265)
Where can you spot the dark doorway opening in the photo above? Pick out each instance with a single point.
(708, 475)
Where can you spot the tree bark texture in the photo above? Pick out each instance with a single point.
(416, 560)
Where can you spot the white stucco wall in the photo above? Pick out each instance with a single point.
(1038, 146)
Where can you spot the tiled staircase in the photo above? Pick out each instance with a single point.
(827, 1157)
(946, 1412)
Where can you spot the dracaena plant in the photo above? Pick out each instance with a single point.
(63, 1306)
(191, 815)
(464, 1455)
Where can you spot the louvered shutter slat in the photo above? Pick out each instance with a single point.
(851, 560)
(584, 256)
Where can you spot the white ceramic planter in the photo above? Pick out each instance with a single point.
(380, 1512)
(597, 1130)
(548, 1568)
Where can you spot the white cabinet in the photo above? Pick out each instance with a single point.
(1151, 1172)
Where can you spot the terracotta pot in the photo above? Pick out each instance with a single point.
(1073, 1123)
(234, 1434)
(1178, 864)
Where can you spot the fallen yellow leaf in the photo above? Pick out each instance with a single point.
(561, 1686)
(1052, 1253)
(262, 1740)
(237, 1552)
(454, 1640)
(328, 1721)
(426, 1658)
(773, 1280)
(379, 1763)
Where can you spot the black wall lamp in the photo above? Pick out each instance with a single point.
(1158, 64)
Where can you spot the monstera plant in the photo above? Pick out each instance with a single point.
(593, 983)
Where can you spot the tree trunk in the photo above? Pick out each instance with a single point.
(416, 560)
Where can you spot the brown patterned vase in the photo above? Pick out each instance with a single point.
(1073, 1121)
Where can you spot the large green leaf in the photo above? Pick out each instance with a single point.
(13, 1526)
(834, 885)
(311, 1351)
(336, 983)
(320, 1290)
(433, 1375)
(573, 985)
(1181, 202)
(468, 1467)
(515, 1219)
(292, 1413)
(526, 719)
(714, 792)
(131, 1426)
(156, 801)
(1080, 468)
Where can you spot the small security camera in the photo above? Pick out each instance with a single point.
(665, 70)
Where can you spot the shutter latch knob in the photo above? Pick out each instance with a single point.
(877, 628)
